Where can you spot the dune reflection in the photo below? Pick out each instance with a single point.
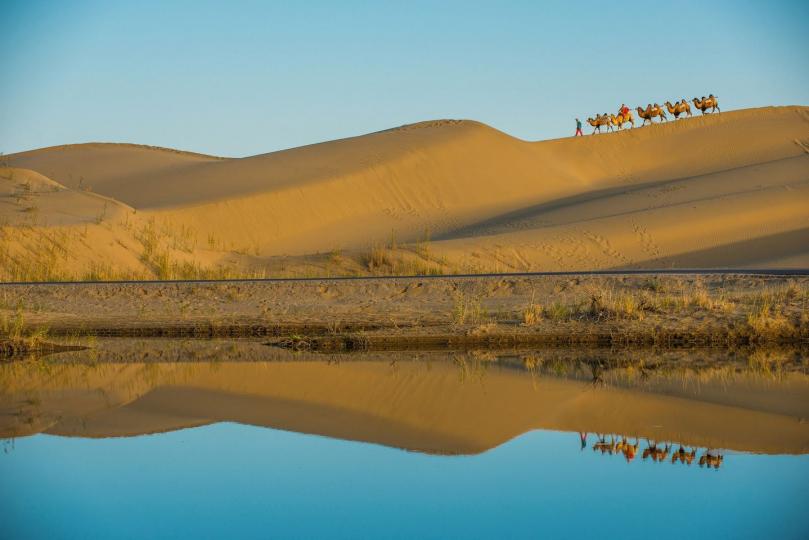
(444, 403)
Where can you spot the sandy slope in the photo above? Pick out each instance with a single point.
(695, 192)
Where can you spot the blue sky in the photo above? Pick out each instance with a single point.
(241, 78)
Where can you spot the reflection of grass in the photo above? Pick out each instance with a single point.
(767, 363)
(648, 367)
(471, 369)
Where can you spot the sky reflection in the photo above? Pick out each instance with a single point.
(243, 481)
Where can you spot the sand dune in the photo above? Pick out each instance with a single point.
(682, 193)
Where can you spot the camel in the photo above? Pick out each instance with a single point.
(620, 120)
(628, 450)
(650, 112)
(679, 108)
(645, 115)
(686, 458)
(600, 120)
(711, 102)
(657, 110)
(605, 446)
(657, 454)
(710, 459)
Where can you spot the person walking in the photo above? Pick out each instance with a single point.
(578, 128)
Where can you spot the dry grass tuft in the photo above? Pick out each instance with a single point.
(468, 310)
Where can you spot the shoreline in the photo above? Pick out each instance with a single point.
(667, 310)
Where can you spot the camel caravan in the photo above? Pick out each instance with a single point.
(656, 452)
(652, 111)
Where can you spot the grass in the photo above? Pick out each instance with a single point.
(16, 337)
(389, 260)
(533, 313)
(766, 320)
(468, 310)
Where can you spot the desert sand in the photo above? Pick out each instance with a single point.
(446, 196)
(437, 403)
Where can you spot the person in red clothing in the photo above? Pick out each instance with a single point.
(578, 128)
(624, 110)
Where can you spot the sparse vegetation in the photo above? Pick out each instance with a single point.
(392, 261)
(15, 337)
(533, 313)
(468, 310)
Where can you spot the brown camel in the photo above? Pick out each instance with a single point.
(645, 114)
(656, 453)
(710, 102)
(604, 446)
(628, 450)
(678, 108)
(711, 459)
(657, 110)
(650, 112)
(600, 120)
(686, 458)
(621, 119)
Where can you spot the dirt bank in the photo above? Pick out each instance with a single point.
(717, 309)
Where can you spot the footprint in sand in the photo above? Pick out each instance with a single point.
(604, 246)
(647, 241)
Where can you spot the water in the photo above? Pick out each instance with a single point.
(422, 453)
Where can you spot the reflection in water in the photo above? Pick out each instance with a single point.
(442, 403)
(228, 451)
(236, 481)
(654, 451)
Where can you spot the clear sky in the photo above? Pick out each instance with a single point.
(241, 78)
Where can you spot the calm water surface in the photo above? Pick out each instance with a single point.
(232, 479)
